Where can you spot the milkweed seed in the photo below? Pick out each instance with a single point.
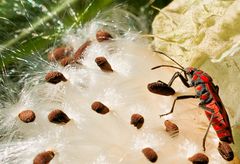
(67, 60)
(55, 77)
(79, 53)
(27, 116)
(137, 120)
(102, 35)
(150, 154)
(199, 158)
(171, 127)
(58, 117)
(161, 88)
(103, 64)
(99, 107)
(225, 151)
(59, 53)
(44, 157)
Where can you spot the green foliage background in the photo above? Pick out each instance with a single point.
(31, 26)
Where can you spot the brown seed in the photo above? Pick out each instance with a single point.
(103, 64)
(58, 117)
(55, 77)
(67, 60)
(171, 127)
(59, 53)
(199, 158)
(79, 53)
(150, 154)
(102, 35)
(27, 116)
(44, 157)
(137, 120)
(225, 151)
(99, 107)
(160, 88)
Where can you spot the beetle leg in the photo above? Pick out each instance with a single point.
(183, 79)
(209, 125)
(179, 98)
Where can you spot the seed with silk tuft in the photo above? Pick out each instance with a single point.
(58, 117)
(160, 88)
(137, 120)
(59, 53)
(80, 52)
(27, 116)
(55, 77)
(150, 154)
(103, 64)
(171, 127)
(102, 35)
(199, 158)
(44, 157)
(99, 107)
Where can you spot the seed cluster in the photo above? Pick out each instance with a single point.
(64, 56)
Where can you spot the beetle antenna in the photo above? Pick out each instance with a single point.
(159, 66)
(169, 58)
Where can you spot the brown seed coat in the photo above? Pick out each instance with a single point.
(79, 53)
(160, 88)
(225, 151)
(44, 157)
(150, 154)
(27, 116)
(137, 120)
(55, 77)
(171, 127)
(199, 158)
(102, 35)
(99, 107)
(103, 64)
(58, 117)
(59, 53)
(67, 60)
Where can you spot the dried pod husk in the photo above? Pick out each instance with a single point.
(171, 127)
(150, 154)
(225, 151)
(27, 116)
(102, 35)
(59, 53)
(137, 120)
(160, 88)
(44, 157)
(58, 117)
(55, 77)
(79, 53)
(99, 107)
(67, 60)
(199, 158)
(103, 64)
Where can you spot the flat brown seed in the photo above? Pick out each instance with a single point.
(58, 117)
(79, 53)
(99, 107)
(67, 60)
(103, 64)
(44, 157)
(55, 77)
(27, 116)
(171, 127)
(160, 88)
(102, 35)
(137, 120)
(225, 151)
(150, 154)
(199, 158)
(59, 53)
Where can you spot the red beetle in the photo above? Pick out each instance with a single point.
(207, 92)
